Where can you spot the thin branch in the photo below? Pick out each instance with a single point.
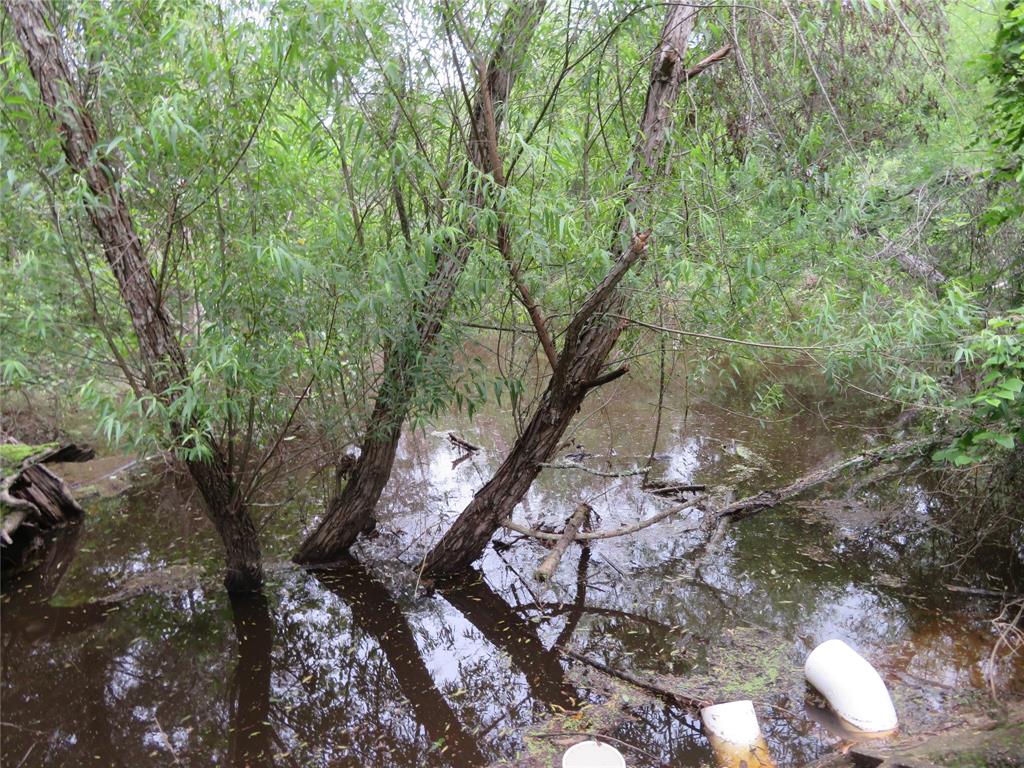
(624, 531)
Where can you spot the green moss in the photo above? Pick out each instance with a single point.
(12, 455)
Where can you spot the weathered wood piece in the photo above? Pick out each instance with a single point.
(572, 526)
(35, 499)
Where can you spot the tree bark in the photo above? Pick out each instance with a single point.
(352, 511)
(162, 355)
(593, 331)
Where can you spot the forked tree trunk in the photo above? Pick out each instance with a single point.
(352, 511)
(162, 355)
(593, 331)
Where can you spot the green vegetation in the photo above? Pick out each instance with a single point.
(842, 189)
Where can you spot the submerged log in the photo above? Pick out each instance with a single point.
(35, 499)
(751, 505)
(576, 521)
(671, 489)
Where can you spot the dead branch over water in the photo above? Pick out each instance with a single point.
(714, 519)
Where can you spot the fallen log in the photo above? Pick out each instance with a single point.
(717, 520)
(572, 526)
(751, 505)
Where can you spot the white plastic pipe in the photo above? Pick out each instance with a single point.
(851, 686)
(593, 754)
(735, 735)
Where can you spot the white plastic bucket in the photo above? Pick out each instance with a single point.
(735, 735)
(593, 754)
(851, 686)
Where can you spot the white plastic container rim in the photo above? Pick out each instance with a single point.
(851, 686)
(734, 722)
(593, 754)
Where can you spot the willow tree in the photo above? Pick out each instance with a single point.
(132, 143)
(352, 510)
(595, 327)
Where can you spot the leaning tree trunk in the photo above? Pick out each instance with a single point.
(593, 331)
(162, 355)
(352, 511)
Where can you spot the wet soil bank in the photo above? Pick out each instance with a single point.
(123, 649)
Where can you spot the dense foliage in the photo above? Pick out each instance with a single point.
(293, 168)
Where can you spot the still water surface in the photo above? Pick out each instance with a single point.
(123, 649)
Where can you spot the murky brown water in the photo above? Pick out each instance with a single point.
(124, 650)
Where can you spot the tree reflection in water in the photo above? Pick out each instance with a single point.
(376, 613)
(252, 735)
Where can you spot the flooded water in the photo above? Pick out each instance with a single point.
(124, 650)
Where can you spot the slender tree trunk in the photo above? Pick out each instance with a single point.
(593, 331)
(230, 516)
(352, 511)
(162, 355)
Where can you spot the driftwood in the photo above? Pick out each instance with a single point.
(36, 496)
(572, 526)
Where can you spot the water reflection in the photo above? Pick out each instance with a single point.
(376, 614)
(355, 666)
(252, 734)
(508, 631)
